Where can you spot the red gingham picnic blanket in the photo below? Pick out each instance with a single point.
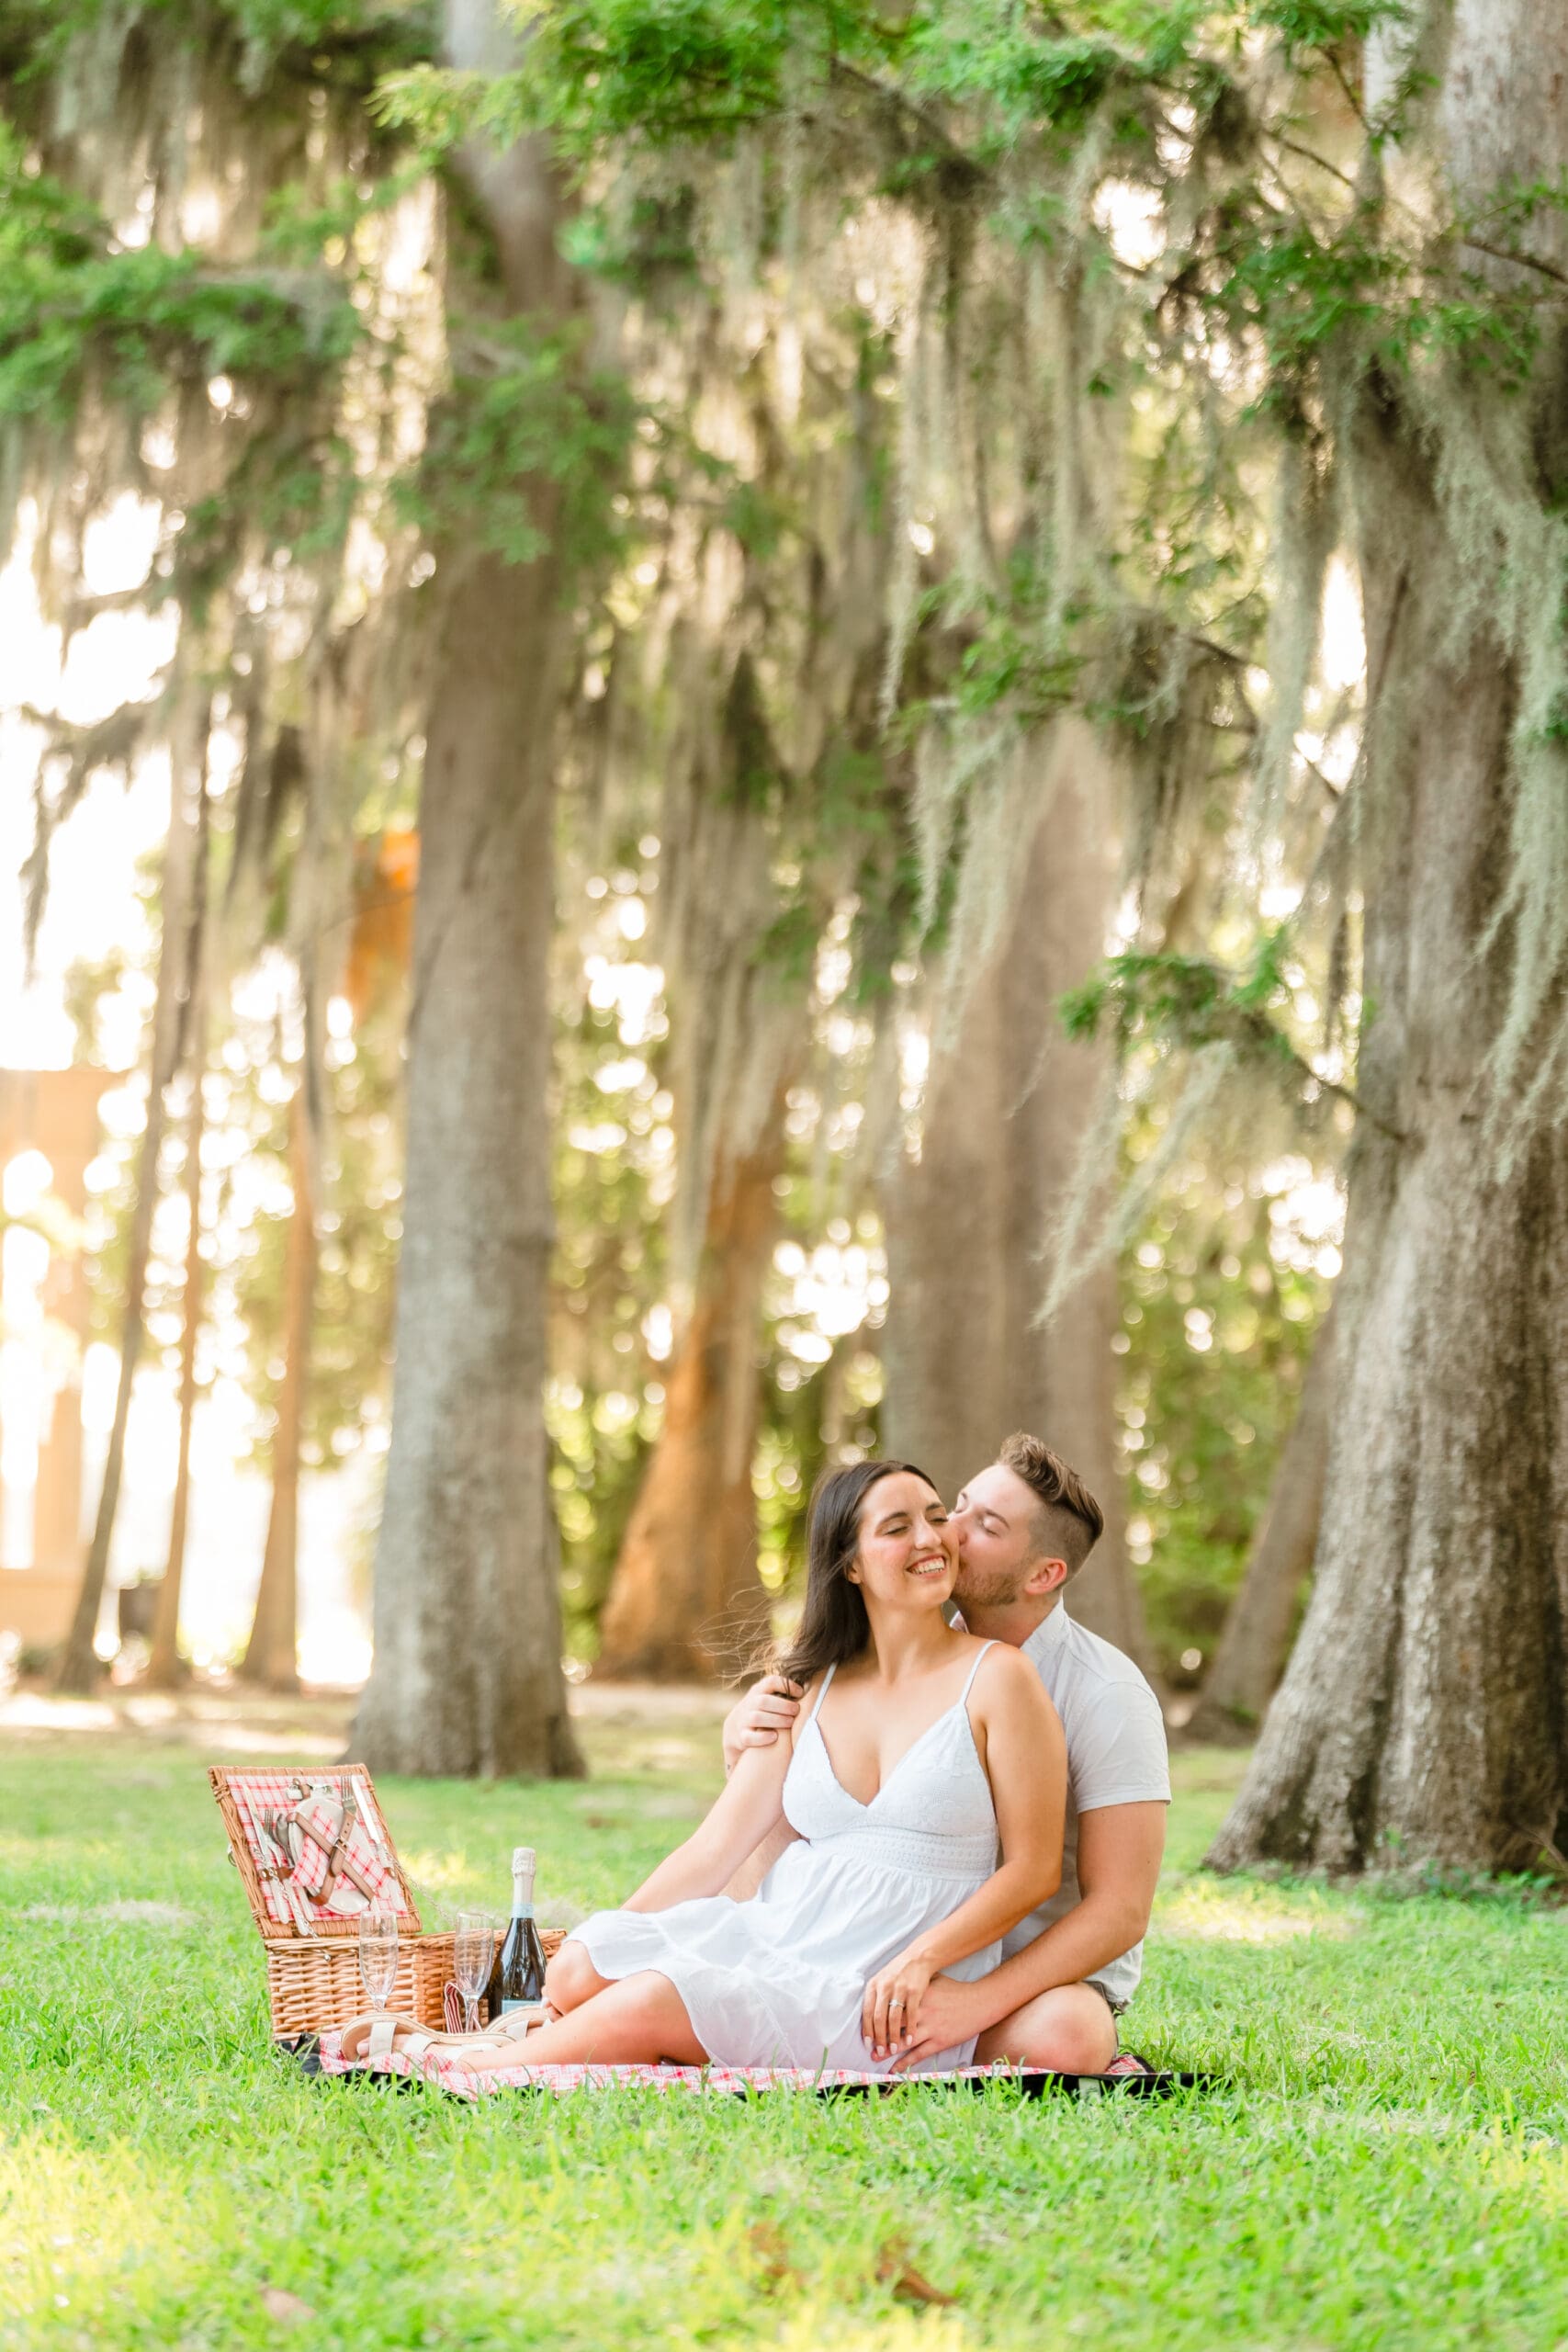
(286, 1891)
(440, 2068)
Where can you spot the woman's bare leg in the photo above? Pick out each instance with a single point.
(635, 2021)
(570, 1980)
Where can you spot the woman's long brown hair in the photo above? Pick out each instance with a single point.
(833, 1626)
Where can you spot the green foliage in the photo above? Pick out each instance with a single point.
(1018, 654)
(649, 73)
(647, 247)
(1221, 1303)
(303, 227)
(1191, 1001)
(528, 451)
(1042, 75)
(1327, 25)
(77, 316)
(1315, 299)
(339, 41)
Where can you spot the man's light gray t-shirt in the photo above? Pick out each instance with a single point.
(1116, 1755)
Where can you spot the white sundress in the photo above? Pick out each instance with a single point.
(780, 1979)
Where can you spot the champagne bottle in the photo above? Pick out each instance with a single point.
(517, 1980)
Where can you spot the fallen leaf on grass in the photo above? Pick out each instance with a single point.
(280, 2305)
(895, 2269)
(772, 2256)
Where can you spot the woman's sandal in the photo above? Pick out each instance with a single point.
(382, 2039)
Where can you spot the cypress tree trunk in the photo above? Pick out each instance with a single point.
(271, 1654)
(178, 949)
(1064, 1371)
(1009, 1101)
(466, 1679)
(1423, 1713)
(946, 1401)
(163, 1669)
(1256, 1641)
(685, 1596)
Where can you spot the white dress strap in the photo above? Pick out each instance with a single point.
(821, 1694)
(963, 1694)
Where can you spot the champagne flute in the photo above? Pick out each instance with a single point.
(378, 1954)
(473, 1957)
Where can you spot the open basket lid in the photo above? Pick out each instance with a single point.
(312, 1850)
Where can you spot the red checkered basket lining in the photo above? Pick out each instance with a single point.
(254, 1793)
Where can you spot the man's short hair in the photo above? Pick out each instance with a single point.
(1068, 1521)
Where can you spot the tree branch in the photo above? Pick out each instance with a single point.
(1524, 261)
(898, 104)
(1310, 155)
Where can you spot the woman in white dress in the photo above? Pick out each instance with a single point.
(918, 1753)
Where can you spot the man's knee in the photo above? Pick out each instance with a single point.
(1069, 2030)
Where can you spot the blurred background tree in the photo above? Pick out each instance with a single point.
(778, 601)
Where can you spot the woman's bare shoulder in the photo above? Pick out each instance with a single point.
(1001, 1661)
(1006, 1677)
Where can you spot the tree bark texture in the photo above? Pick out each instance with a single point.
(272, 1653)
(685, 1599)
(163, 1669)
(1010, 1102)
(1253, 1648)
(466, 1679)
(1422, 1718)
(178, 956)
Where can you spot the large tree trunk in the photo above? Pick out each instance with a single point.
(1422, 1717)
(944, 1215)
(1010, 1102)
(468, 1677)
(178, 951)
(1066, 1369)
(685, 1599)
(163, 1669)
(1256, 1642)
(272, 1653)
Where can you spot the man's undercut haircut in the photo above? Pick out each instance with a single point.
(1067, 1523)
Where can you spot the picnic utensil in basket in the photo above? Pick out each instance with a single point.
(312, 1850)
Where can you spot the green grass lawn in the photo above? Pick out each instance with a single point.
(1386, 2166)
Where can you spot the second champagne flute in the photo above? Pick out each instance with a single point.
(473, 1956)
(378, 1954)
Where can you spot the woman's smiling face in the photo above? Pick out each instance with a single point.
(905, 1557)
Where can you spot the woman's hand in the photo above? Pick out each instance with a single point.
(891, 2010)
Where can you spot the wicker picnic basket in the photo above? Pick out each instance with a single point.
(312, 1949)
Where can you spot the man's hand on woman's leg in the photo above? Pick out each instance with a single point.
(759, 1716)
(1068, 2031)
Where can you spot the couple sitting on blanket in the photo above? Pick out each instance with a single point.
(919, 1908)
